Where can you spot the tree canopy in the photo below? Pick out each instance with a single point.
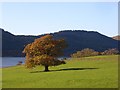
(85, 53)
(112, 51)
(44, 51)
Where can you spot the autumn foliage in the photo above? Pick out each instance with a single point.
(90, 52)
(112, 51)
(85, 53)
(44, 51)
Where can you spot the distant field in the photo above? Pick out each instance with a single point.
(89, 72)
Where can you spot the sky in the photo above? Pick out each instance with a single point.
(35, 18)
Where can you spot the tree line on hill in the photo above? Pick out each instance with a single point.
(13, 45)
(90, 52)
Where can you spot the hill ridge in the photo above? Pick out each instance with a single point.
(13, 45)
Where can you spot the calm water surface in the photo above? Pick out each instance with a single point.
(10, 61)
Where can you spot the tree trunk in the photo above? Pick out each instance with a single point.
(46, 69)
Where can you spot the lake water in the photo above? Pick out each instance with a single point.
(12, 61)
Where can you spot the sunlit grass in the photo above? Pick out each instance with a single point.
(89, 72)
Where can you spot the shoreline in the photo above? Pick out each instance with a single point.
(10, 66)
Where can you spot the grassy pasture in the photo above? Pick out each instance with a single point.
(88, 72)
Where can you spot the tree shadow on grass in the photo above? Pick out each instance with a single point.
(66, 69)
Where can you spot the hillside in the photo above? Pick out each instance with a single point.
(116, 37)
(13, 45)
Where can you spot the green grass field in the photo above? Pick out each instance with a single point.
(89, 72)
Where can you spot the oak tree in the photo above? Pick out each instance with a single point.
(44, 51)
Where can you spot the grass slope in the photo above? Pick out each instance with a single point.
(89, 72)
